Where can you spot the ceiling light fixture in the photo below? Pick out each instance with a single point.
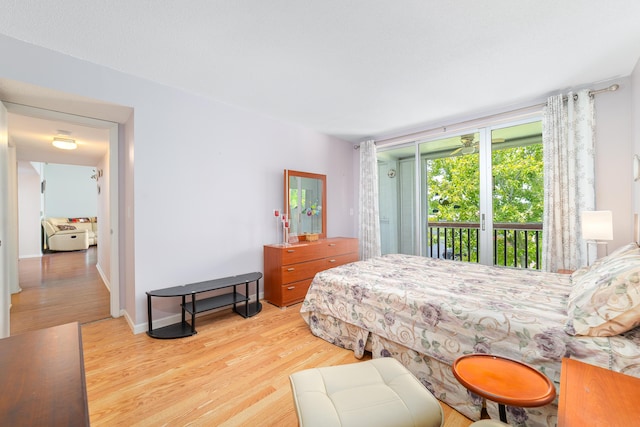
(64, 143)
(468, 150)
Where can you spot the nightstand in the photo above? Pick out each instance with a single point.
(594, 396)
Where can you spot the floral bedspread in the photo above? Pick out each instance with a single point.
(444, 309)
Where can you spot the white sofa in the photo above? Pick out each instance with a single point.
(70, 234)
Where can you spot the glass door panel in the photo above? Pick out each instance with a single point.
(518, 195)
(397, 194)
(451, 197)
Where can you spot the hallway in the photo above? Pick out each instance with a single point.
(58, 288)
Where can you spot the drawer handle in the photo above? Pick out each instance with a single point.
(332, 260)
(332, 244)
(291, 251)
(290, 288)
(290, 269)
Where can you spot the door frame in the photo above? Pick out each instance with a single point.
(114, 181)
(5, 293)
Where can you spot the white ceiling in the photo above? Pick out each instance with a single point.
(354, 69)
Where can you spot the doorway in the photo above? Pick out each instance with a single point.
(109, 251)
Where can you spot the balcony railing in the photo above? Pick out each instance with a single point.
(514, 245)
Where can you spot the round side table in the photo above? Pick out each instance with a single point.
(505, 381)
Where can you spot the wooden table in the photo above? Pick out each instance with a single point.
(594, 396)
(42, 378)
(505, 381)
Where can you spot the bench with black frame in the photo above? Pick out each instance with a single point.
(241, 302)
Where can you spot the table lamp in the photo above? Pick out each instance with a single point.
(597, 227)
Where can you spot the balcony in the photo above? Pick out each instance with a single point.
(515, 245)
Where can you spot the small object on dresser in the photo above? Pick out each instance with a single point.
(309, 237)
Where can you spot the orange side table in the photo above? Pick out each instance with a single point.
(505, 381)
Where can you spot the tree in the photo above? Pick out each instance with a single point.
(453, 189)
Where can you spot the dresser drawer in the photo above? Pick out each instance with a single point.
(299, 253)
(303, 270)
(294, 292)
(335, 261)
(340, 246)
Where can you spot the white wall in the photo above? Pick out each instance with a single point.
(29, 227)
(69, 192)
(206, 175)
(614, 154)
(635, 128)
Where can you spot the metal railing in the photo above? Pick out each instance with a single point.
(514, 245)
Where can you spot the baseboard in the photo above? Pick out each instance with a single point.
(159, 323)
(130, 322)
(103, 277)
(29, 256)
(170, 320)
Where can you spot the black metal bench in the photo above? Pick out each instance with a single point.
(241, 302)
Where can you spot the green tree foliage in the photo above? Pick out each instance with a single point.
(518, 187)
(518, 197)
(454, 186)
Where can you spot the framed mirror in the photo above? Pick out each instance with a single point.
(305, 195)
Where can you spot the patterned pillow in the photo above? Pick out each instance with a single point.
(630, 247)
(78, 220)
(605, 299)
(63, 227)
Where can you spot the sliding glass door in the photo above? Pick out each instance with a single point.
(450, 190)
(398, 208)
(517, 194)
(476, 196)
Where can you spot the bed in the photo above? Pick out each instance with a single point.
(426, 312)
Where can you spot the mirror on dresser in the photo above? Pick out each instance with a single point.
(305, 196)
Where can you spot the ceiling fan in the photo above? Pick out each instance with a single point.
(469, 144)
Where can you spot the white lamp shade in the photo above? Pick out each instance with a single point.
(597, 225)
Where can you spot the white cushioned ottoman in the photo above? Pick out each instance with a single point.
(376, 393)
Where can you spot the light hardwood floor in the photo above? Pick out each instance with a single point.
(233, 372)
(58, 288)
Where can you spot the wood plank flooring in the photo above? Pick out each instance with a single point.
(58, 288)
(233, 372)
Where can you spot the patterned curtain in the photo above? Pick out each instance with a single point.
(369, 215)
(569, 178)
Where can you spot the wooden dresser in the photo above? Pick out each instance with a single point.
(288, 270)
(42, 375)
(594, 396)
